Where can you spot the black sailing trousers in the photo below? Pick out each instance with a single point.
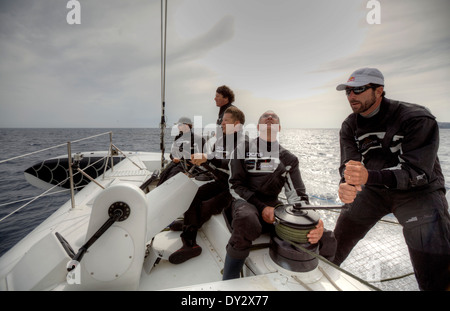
(426, 229)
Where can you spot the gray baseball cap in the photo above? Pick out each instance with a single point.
(362, 77)
(184, 120)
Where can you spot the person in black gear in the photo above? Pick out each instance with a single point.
(389, 164)
(257, 175)
(224, 99)
(184, 145)
(212, 197)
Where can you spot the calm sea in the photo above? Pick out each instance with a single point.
(317, 150)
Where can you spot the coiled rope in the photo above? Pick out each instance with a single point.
(296, 236)
(292, 234)
(299, 236)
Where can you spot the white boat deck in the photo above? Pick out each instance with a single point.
(133, 254)
(205, 268)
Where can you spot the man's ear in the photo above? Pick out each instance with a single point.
(379, 91)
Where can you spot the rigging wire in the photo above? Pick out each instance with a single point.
(50, 190)
(53, 147)
(47, 192)
(31, 201)
(29, 198)
(163, 76)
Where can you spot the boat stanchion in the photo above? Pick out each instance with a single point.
(69, 159)
(118, 211)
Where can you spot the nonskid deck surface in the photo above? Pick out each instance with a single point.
(204, 268)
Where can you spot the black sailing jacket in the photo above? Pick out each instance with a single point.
(402, 138)
(259, 174)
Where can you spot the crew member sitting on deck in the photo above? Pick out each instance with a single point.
(184, 145)
(256, 180)
(212, 197)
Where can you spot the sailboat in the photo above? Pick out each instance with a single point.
(112, 234)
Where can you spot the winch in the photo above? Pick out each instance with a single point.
(292, 225)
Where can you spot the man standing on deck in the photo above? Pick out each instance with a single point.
(389, 164)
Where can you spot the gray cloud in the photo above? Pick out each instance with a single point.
(106, 71)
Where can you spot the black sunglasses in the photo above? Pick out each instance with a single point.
(359, 90)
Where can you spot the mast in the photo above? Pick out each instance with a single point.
(163, 76)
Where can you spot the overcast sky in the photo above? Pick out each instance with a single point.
(286, 55)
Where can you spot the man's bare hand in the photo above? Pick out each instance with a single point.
(198, 158)
(268, 214)
(316, 234)
(347, 193)
(355, 173)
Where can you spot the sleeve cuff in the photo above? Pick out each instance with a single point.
(382, 178)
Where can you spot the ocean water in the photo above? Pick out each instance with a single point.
(14, 187)
(317, 150)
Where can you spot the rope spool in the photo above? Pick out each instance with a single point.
(289, 247)
(294, 223)
(292, 227)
